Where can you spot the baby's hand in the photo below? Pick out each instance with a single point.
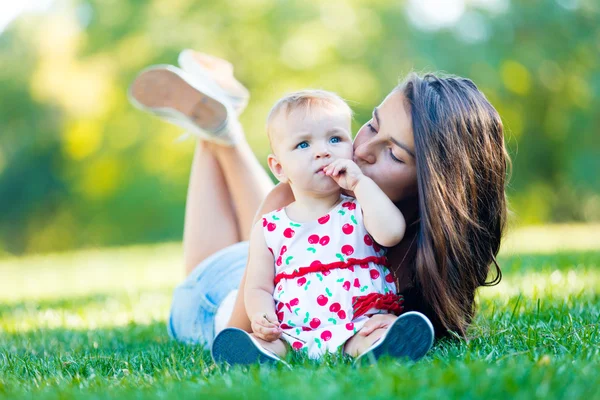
(266, 327)
(345, 173)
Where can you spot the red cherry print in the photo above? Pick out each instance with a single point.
(306, 328)
(313, 239)
(294, 302)
(326, 335)
(280, 288)
(301, 281)
(288, 233)
(347, 229)
(322, 300)
(280, 316)
(326, 272)
(356, 282)
(346, 285)
(316, 263)
(264, 222)
(364, 266)
(279, 306)
(285, 326)
(342, 314)
(297, 345)
(324, 219)
(278, 261)
(374, 274)
(335, 307)
(283, 250)
(288, 306)
(349, 205)
(271, 250)
(314, 323)
(350, 326)
(389, 278)
(368, 240)
(271, 227)
(347, 249)
(324, 240)
(376, 247)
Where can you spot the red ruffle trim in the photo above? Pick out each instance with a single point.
(351, 262)
(390, 302)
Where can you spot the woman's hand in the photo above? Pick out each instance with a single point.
(345, 173)
(266, 327)
(377, 321)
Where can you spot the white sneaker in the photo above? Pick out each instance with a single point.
(185, 100)
(410, 336)
(212, 68)
(234, 346)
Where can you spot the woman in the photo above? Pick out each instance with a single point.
(435, 146)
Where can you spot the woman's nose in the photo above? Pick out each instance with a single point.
(365, 152)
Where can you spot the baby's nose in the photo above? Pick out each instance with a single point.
(322, 153)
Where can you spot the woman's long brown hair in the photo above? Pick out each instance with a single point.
(462, 168)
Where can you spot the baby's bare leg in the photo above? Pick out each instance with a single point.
(358, 344)
(278, 346)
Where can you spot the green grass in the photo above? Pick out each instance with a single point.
(91, 324)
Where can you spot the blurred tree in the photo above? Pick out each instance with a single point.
(80, 167)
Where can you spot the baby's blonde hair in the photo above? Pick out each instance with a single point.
(306, 100)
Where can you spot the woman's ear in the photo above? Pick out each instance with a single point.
(276, 168)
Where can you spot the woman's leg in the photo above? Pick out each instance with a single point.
(248, 185)
(227, 185)
(247, 181)
(210, 221)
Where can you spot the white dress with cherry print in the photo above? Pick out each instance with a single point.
(329, 277)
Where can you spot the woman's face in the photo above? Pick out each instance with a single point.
(384, 149)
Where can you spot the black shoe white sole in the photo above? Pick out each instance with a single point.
(234, 346)
(410, 336)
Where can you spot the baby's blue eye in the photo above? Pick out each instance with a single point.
(302, 145)
(335, 139)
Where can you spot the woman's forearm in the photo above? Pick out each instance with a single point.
(279, 197)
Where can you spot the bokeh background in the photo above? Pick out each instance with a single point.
(81, 168)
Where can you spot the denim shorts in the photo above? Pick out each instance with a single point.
(195, 301)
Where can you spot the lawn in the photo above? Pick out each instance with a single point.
(91, 324)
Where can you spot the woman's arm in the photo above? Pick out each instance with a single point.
(279, 197)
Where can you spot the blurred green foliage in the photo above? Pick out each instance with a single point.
(80, 167)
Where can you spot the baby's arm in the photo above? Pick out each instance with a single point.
(383, 220)
(258, 291)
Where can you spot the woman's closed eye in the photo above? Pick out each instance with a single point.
(396, 159)
(371, 128)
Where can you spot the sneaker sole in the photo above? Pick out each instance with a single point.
(237, 94)
(410, 336)
(159, 89)
(235, 347)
